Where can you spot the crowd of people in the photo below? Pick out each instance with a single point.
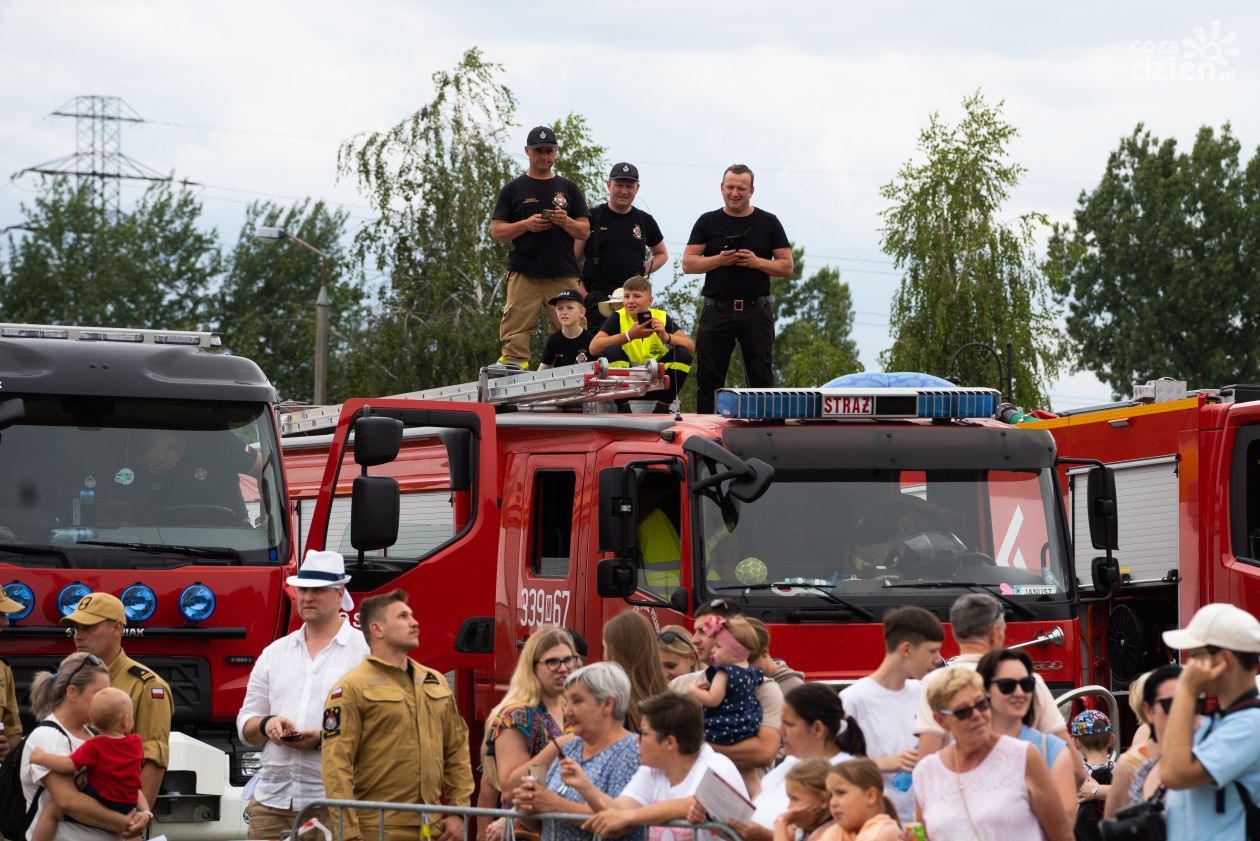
(588, 269)
(974, 748)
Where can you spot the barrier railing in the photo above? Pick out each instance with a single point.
(467, 812)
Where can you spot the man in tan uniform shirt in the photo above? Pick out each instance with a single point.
(12, 735)
(388, 717)
(98, 621)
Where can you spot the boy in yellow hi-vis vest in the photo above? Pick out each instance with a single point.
(638, 333)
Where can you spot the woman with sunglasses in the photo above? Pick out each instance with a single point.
(61, 703)
(678, 653)
(1011, 687)
(982, 785)
(1137, 771)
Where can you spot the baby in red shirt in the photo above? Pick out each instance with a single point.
(112, 760)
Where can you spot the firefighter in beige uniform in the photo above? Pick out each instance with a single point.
(98, 621)
(388, 717)
(11, 736)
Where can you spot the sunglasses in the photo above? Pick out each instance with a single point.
(1165, 704)
(964, 713)
(558, 663)
(671, 637)
(1006, 685)
(89, 658)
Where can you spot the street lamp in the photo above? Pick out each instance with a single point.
(274, 235)
(1008, 380)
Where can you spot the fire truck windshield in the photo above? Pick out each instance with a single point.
(112, 482)
(859, 531)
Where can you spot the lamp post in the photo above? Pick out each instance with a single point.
(1008, 380)
(274, 235)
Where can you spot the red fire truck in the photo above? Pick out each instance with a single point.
(1186, 467)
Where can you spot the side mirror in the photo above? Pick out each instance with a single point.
(750, 487)
(374, 512)
(618, 505)
(1106, 575)
(616, 578)
(377, 439)
(1104, 522)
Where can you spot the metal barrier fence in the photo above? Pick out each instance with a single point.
(467, 812)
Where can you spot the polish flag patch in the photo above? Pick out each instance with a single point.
(336, 693)
(157, 692)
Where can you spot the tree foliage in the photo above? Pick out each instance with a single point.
(968, 275)
(1160, 271)
(265, 306)
(75, 264)
(433, 180)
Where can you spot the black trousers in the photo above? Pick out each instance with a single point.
(721, 326)
(677, 364)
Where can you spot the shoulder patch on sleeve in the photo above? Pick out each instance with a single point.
(336, 693)
(332, 722)
(141, 672)
(157, 692)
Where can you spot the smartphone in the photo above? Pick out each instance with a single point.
(548, 213)
(292, 737)
(538, 774)
(644, 317)
(734, 243)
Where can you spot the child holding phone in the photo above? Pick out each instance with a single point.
(732, 712)
(112, 761)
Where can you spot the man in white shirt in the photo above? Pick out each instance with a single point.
(284, 703)
(885, 703)
(674, 758)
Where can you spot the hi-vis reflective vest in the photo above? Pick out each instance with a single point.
(639, 351)
(661, 549)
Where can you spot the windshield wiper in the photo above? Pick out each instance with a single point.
(1020, 608)
(34, 549)
(218, 552)
(812, 590)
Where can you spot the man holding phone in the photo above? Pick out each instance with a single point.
(284, 700)
(738, 248)
(638, 333)
(541, 214)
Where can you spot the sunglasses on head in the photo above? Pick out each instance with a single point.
(671, 637)
(1006, 685)
(964, 713)
(87, 658)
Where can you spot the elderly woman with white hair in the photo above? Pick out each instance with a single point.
(595, 762)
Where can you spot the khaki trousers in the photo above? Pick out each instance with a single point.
(525, 296)
(267, 822)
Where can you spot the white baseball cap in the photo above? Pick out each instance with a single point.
(1219, 625)
(323, 569)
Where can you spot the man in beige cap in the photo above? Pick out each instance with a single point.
(12, 733)
(1212, 771)
(98, 621)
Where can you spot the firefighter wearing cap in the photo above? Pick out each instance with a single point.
(12, 733)
(541, 214)
(625, 241)
(98, 623)
(640, 333)
(392, 732)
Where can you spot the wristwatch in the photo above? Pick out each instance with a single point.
(1094, 793)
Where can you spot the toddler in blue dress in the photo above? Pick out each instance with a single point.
(732, 712)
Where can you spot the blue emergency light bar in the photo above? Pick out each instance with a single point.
(856, 403)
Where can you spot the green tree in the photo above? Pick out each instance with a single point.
(968, 275)
(1159, 270)
(73, 264)
(433, 180)
(265, 307)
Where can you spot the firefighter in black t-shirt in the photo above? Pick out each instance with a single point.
(571, 343)
(639, 333)
(738, 249)
(625, 241)
(541, 214)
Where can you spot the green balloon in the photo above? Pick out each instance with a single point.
(751, 570)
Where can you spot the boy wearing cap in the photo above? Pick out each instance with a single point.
(11, 735)
(98, 621)
(624, 241)
(572, 342)
(1093, 736)
(639, 333)
(1213, 771)
(541, 214)
(284, 702)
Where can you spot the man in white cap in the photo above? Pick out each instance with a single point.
(1213, 773)
(285, 698)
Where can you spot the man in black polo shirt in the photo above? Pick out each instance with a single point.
(620, 233)
(738, 249)
(541, 214)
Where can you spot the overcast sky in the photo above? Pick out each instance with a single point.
(823, 99)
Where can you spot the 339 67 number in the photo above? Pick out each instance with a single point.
(541, 607)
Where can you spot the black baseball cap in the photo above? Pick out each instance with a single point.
(568, 295)
(624, 172)
(540, 137)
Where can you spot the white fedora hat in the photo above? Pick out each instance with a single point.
(323, 569)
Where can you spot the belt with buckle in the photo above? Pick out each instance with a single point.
(738, 304)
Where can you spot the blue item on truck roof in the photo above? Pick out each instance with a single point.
(892, 379)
